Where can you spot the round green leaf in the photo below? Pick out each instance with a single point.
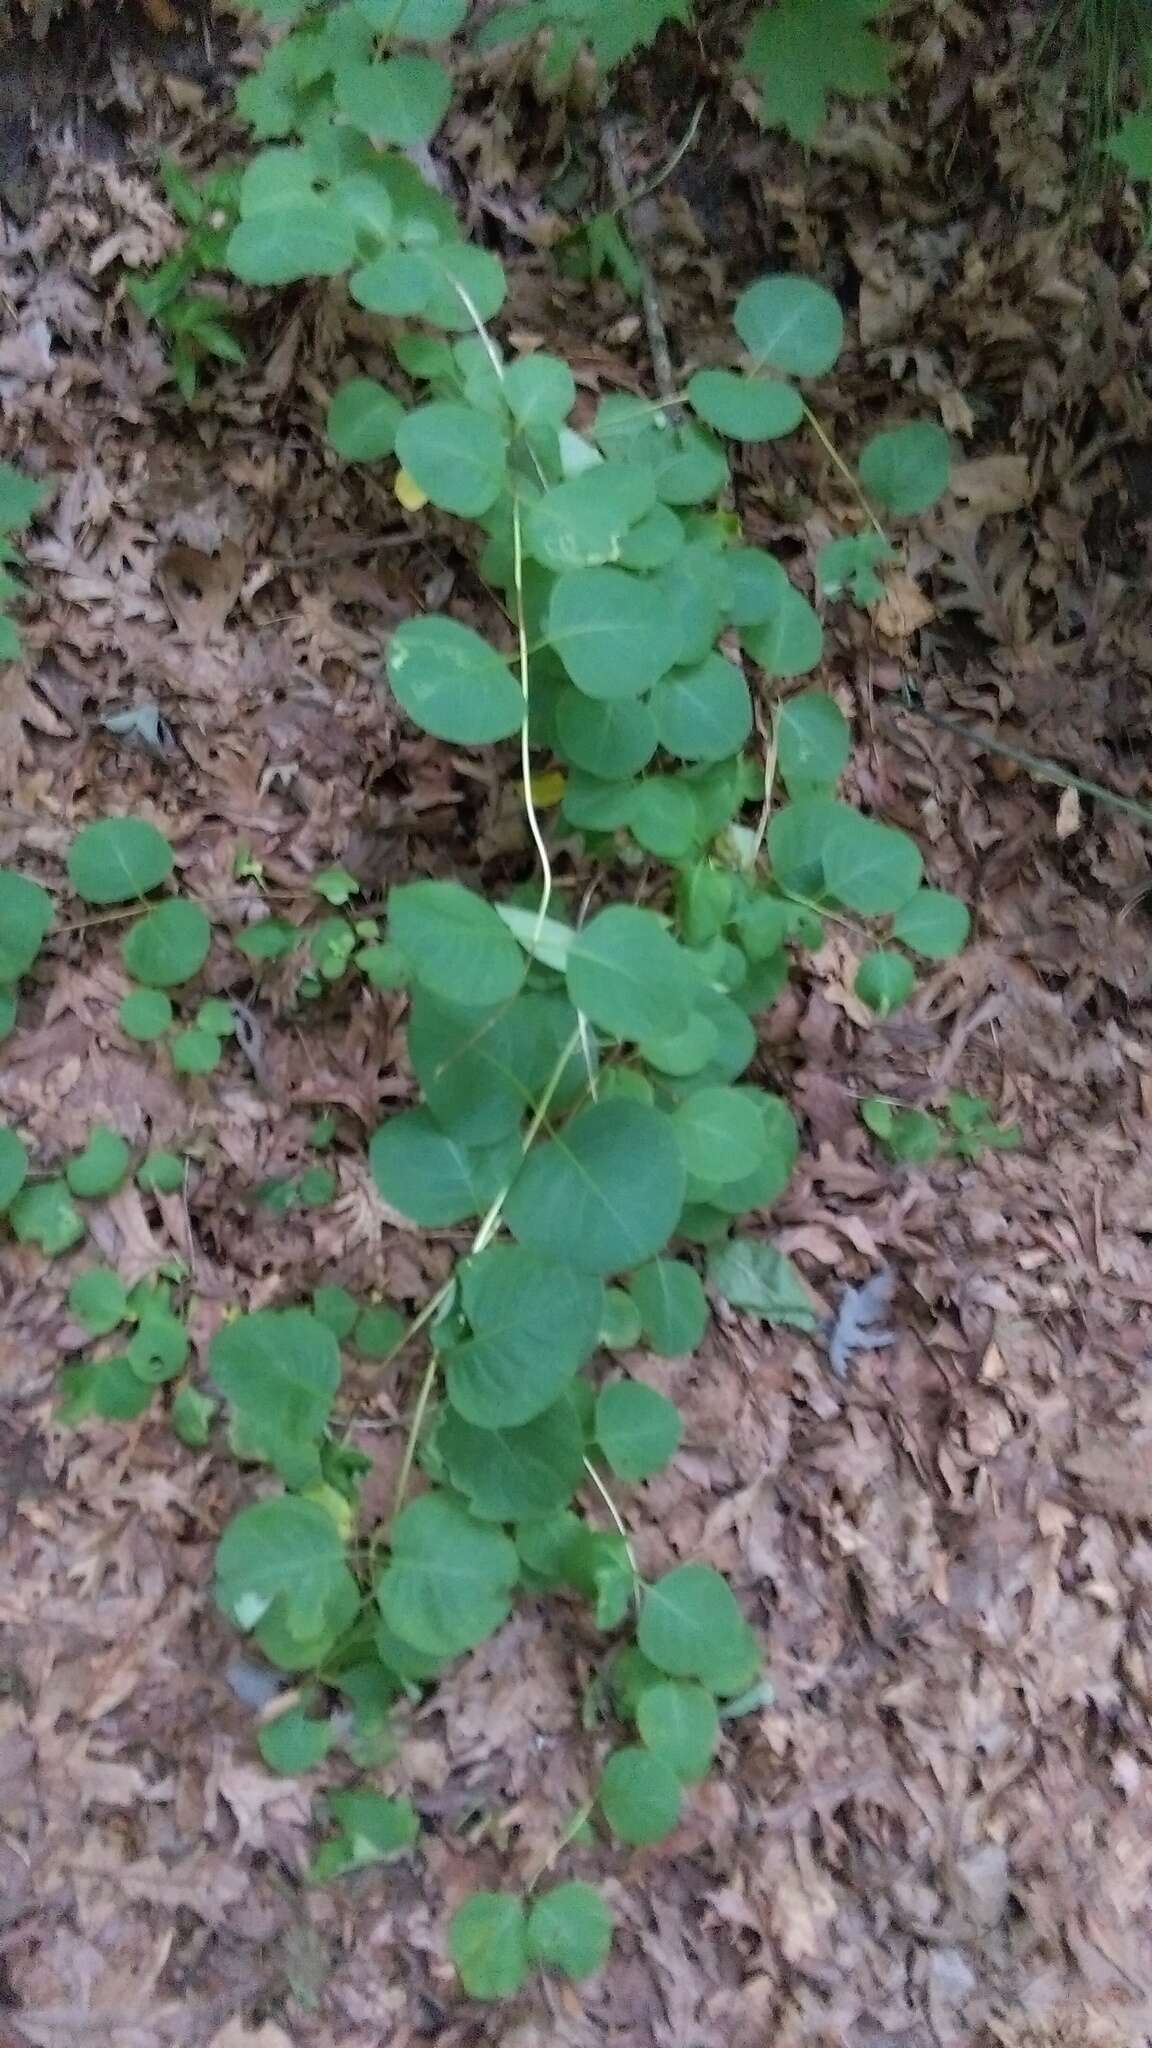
(168, 945)
(679, 1724)
(305, 237)
(798, 837)
(362, 420)
(664, 817)
(511, 1475)
(145, 1014)
(399, 283)
(448, 1582)
(682, 1052)
(673, 1306)
(336, 1309)
(101, 1166)
(907, 468)
(533, 1323)
(402, 100)
(629, 976)
(294, 1743)
(791, 324)
(98, 1300)
(431, 1177)
(884, 980)
(118, 859)
(613, 632)
(540, 391)
(611, 739)
(703, 713)
(216, 1015)
(464, 281)
(280, 1369)
(162, 1173)
(191, 1416)
(378, 1331)
(604, 1193)
(620, 1323)
(196, 1052)
(720, 1141)
(639, 1796)
(789, 643)
(581, 523)
(570, 1930)
(934, 923)
(759, 583)
(488, 1942)
(110, 1390)
(690, 1623)
(654, 541)
(13, 1166)
(455, 454)
(26, 912)
(870, 867)
(291, 1650)
(637, 1428)
(45, 1215)
(459, 947)
(285, 1550)
(452, 684)
(746, 408)
(158, 1349)
(813, 741)
(595, 806)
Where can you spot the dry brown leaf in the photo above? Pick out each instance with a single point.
(200, 590)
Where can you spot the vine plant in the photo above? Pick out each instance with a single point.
(586, 1120)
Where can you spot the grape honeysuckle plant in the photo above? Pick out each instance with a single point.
(586, 1120)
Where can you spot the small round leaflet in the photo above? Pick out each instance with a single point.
(452, 684)
(637, 1428)
(745, 408)
(679, 1724)
(362, 420)
(629, 976)
(169, 945)
(884, 980)
(673, 1306)
(118, 859)
(690, 1623)
(933, 923)
(456, 455)
(570, 1928)
(906, 468)
(791, 324)
(488, 1942)
(639, 1796)
(145, 1013)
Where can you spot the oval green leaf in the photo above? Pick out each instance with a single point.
(791, 324)
(456, 455)
(907, 468)
(533, 1323)
(613, 632)
(745, 408)
(604, 1193)
(457, 944)
(118, 859)
(169, 945)
(452, 684)
(637, 1428)
(639, 1796)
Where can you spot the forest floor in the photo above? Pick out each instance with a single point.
(941, 1830)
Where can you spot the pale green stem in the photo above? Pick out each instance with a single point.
(618, 1520)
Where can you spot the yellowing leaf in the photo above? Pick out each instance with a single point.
(547, 789)
(408, 492)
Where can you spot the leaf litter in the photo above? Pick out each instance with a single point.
(938, 1828)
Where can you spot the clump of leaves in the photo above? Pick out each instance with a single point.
(914, 1137)
(192, 320)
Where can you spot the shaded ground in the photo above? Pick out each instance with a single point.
(942, 1830)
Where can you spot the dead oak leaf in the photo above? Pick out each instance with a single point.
(199, 589)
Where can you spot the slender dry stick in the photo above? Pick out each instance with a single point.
(770, 756)
(831, 450)
(649, 296)
(1036, 764)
